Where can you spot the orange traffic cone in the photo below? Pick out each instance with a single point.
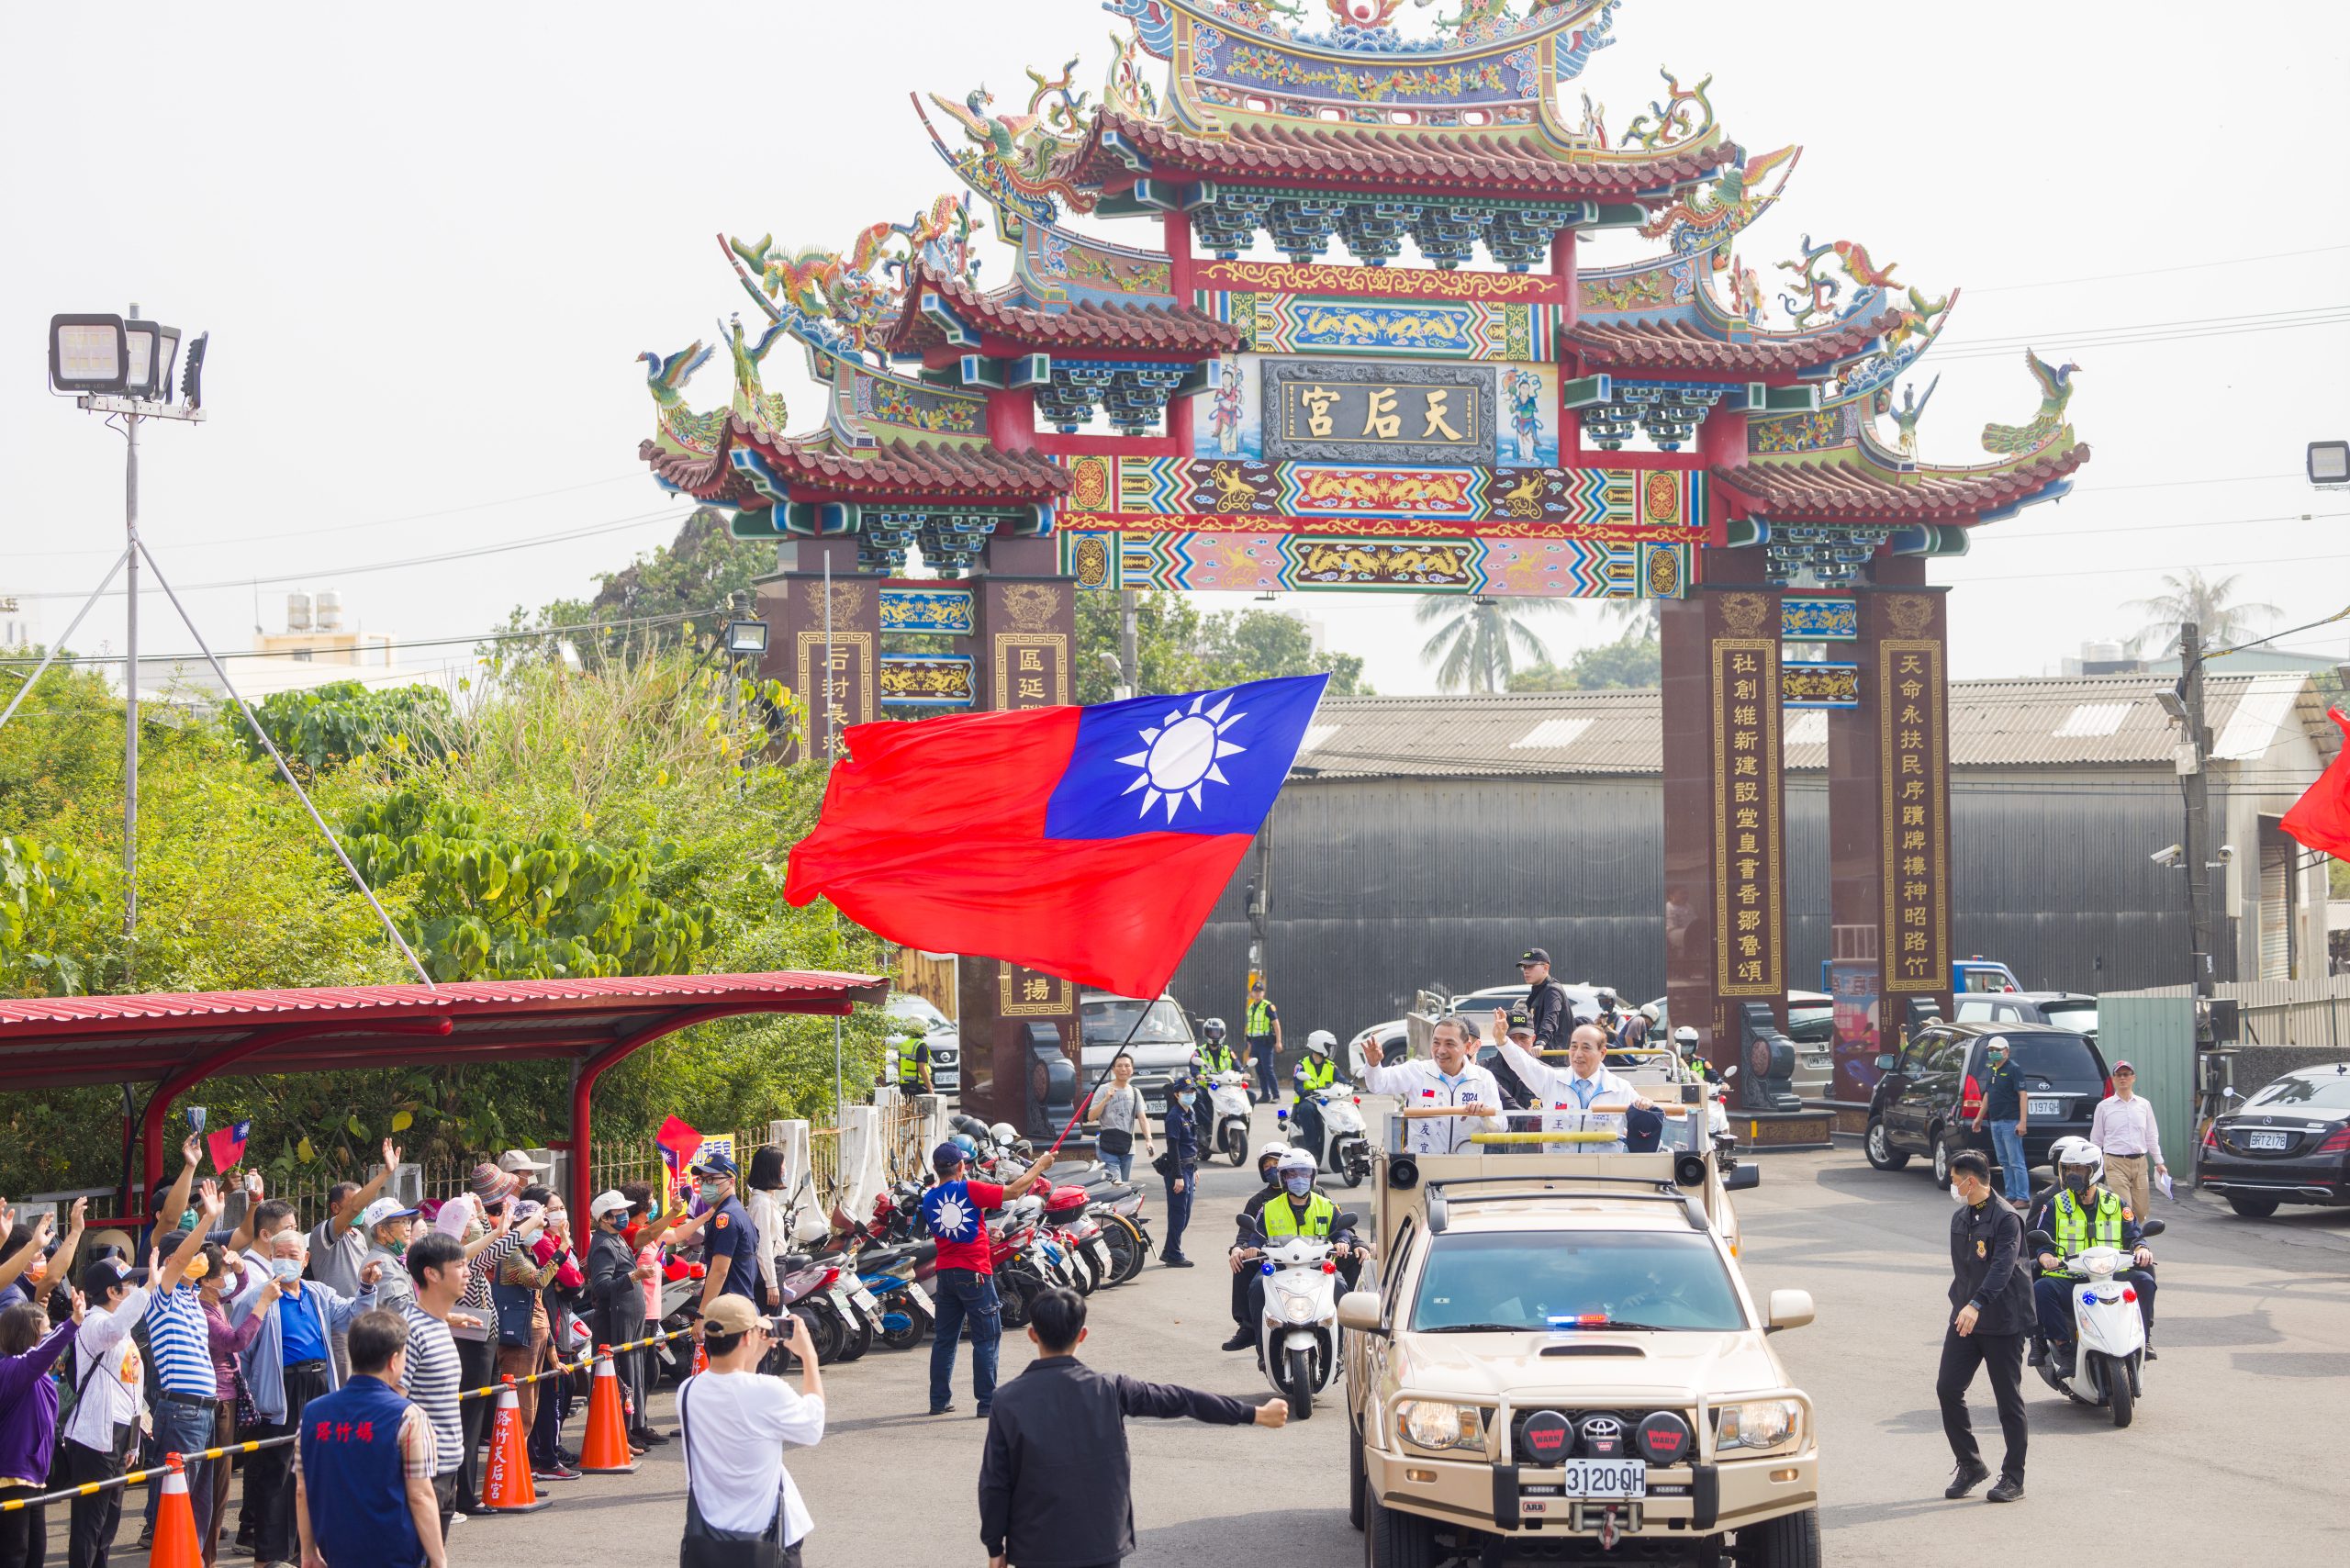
(175, 1545)
(605, 1450)
(507, 1488)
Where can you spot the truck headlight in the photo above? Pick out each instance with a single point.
(1430, 1425)
(1760, 1426)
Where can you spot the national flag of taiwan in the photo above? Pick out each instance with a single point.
(677, 1140)
(1089, 843)
(2320, 818)
(228, 1145)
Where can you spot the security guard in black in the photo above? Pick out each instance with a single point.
(1991, 1313)
(728, 1234)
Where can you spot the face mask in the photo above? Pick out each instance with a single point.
(1182, 1099)
(397, 1249)
(287, 1269)
(2077, 1182)
(187, 1221)
(1955, 1195)
(1298, 1185)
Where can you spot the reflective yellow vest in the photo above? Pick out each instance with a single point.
(1316, 1072)
(1282, 1220)
(2072, 1231)
(1260, 1020)
(1217, 1058)
(909, 1069)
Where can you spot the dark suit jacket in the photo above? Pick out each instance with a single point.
(615, 1300)
(1055, 1479)
(1988, 1268)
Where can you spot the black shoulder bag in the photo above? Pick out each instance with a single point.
(707, 1546)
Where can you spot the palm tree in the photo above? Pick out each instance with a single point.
(2205, 601)
(1479, 640)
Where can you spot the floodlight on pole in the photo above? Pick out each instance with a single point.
(122, 367)
(2329, 463)
(747, 639)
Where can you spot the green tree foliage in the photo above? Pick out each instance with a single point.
(649, 831)
(48, 906)
(674, 591)
(1179, 649)
(1633, 662)
(1478, 642)
(330, 724)
(492, 906)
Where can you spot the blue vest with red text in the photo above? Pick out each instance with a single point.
(352, 1472)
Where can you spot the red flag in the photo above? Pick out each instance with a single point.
(228, 1145)
(1089, 843)
(2320, 818)
(677, 1142)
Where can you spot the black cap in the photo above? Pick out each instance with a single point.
(1533, 956)
(1519, 1020)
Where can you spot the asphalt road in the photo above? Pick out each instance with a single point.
(2237, 1437)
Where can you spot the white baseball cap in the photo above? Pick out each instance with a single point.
(608, 1202)
(514, 1160)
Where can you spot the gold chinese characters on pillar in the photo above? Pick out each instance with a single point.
(1031, 993)
(1912, 750)
(1748, 944)
(1027, 627)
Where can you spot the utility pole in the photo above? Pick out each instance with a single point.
(2195, 781)
(1129, 640)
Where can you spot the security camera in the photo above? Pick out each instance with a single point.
(2227, 853)
(2169, 857)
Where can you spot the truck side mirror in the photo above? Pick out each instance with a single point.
(1789, 1309)
(1359, 1310)
(1746, 1178)
(1885, 1062)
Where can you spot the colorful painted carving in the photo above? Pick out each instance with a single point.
(1710, 217)
(841, 299)
(939, 611)
(1809, 619)
(1682, 116)
(926, 680)
(2048, 426)
(1905, 417)
(1810, 683)
(754, 403)
(677, 427)
(1821, 288)
(1008, 157)
(1226, 415)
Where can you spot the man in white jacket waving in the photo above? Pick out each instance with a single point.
(1445, 1100)
(1581, 1097)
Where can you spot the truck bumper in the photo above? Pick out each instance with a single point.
(1683, 1500)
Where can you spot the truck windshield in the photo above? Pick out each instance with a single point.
(1655, 1280)
(1107, 1021)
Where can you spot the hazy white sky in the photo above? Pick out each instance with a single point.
(430, 240)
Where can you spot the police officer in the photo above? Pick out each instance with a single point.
(913, 1064)
(1181, 1170)
(2076, 1212)
(1295, 1209)
(1314, 1071)
(1215, 1055)
(1262, 1024)
(1990, 1297)
(1247, 1228)
(730, 1241)
(1684, 1040)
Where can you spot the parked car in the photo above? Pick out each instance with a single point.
(2064, 1009)
(2288, 1144)
(1811, 1024)
(1927, 1101)
(1161, 1041)
(910, 1014)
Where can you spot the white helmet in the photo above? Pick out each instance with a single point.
(1295, 1159)
(1321, 1042)
(1004, 1134)
(2069, 1151)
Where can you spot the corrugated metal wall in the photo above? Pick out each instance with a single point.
(1381, 886)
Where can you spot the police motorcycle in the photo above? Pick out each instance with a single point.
(1297, 1329)
(2107, 1366)
(1229, 1114)
(1342, 1149)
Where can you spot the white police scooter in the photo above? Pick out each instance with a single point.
(1228, 1116)
(1297, 1336)
(2108, 1334)
(1344, 1151)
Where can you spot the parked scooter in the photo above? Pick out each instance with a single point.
(1228, 1113)
(1344, 1151)
(1297, 1337)
(2106, 1361)
(890, 1274)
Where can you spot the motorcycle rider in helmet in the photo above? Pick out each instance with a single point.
(1246, 1230)
(2079, 1213)
(1684, 1040)
(1215, 1056)
(1295, 1208)
(1315, 1070)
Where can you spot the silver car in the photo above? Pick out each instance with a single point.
(907, 1013)
(1157, 1034)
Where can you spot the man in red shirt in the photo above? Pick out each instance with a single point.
(953, 1209)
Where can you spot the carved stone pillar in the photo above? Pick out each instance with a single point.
(1026, 641)
(1011, 1019)
(1888, 816)
(838, 677)
(1725, 810)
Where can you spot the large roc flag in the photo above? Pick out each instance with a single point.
(2320, 818)
(1089, 843)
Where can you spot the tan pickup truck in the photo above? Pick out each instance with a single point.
(1558, 1358)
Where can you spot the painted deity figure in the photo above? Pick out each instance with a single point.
(1225, 415)
(1526, 412)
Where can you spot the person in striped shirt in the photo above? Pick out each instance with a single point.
(180, 1340)
(433, 1373)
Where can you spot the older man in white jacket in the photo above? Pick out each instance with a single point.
(1585, 1096)
(1443, 1102)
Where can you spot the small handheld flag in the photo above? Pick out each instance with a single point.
(228, 1146)
(1089, 842)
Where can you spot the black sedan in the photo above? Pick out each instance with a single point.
(2288, 1144)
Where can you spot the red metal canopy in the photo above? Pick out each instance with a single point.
(183, 1038)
